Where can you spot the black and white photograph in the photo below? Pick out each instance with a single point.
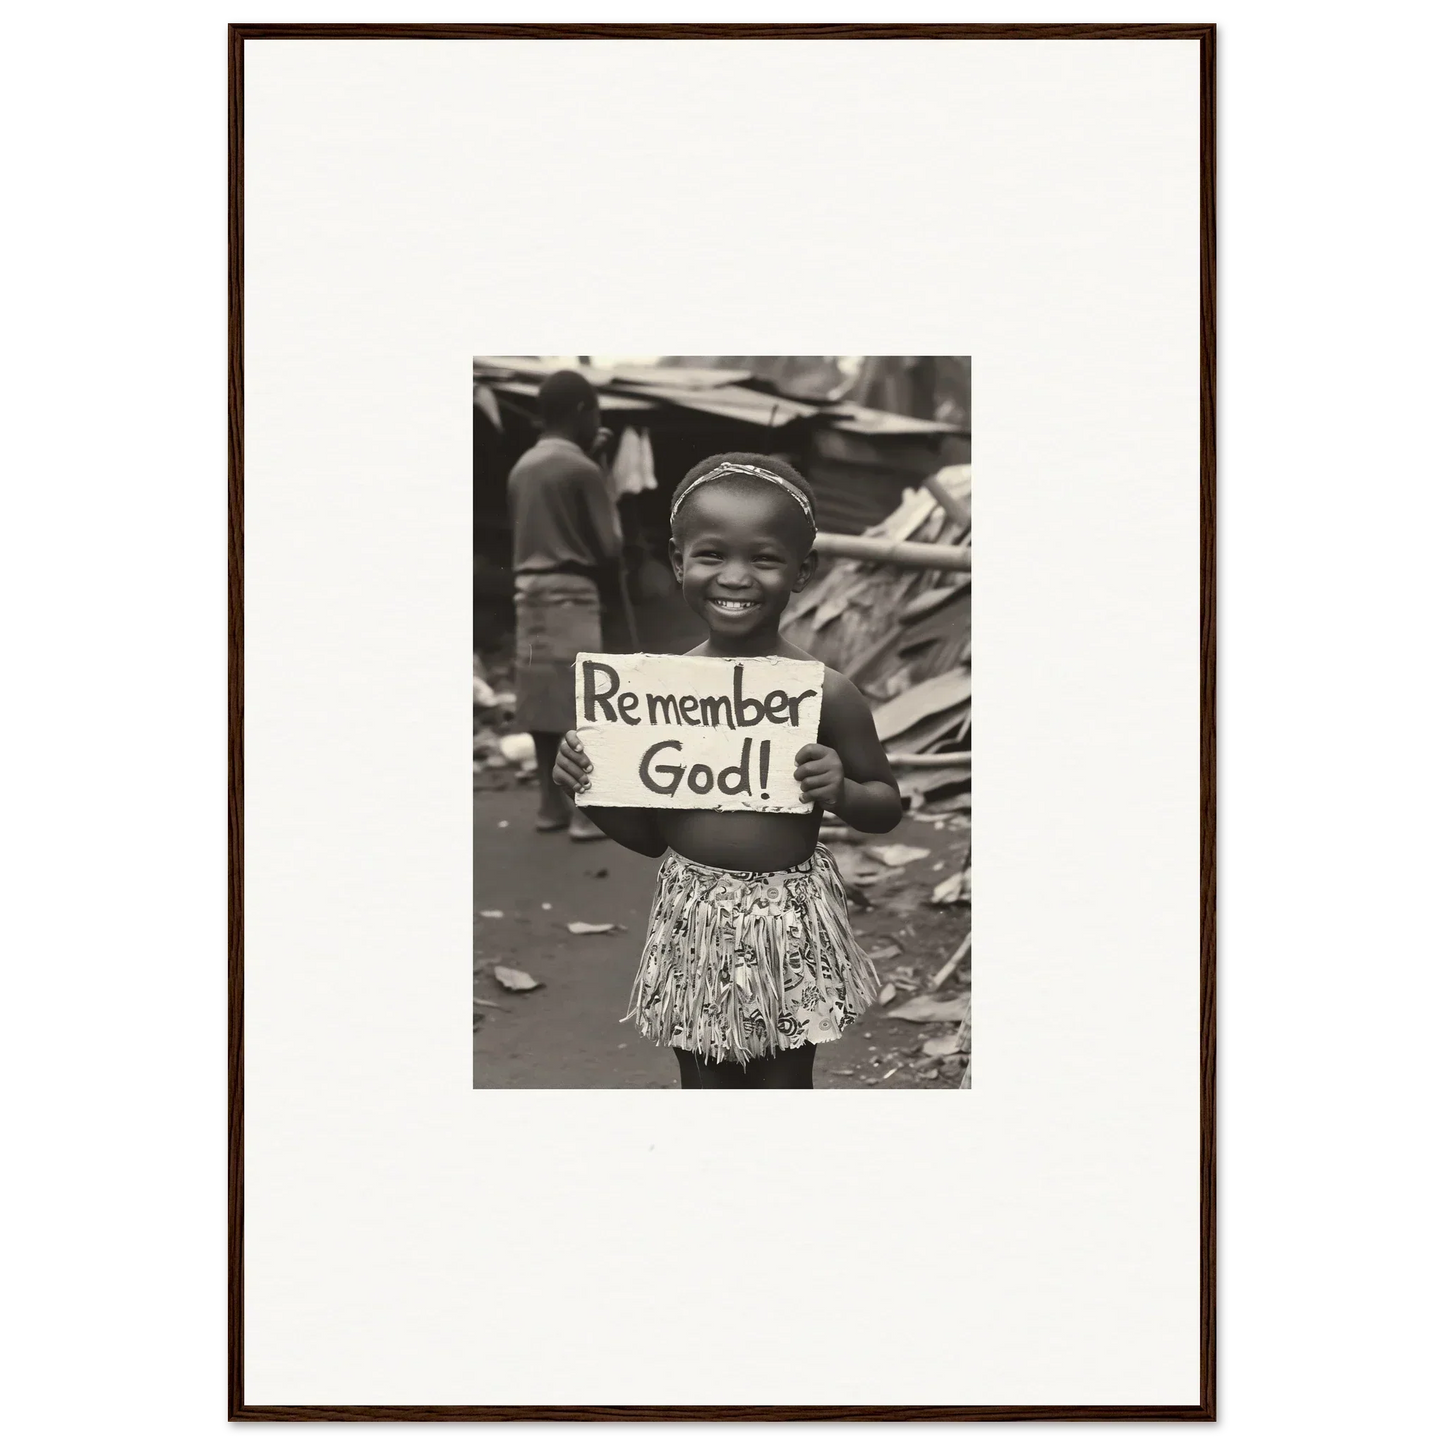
(721, 722)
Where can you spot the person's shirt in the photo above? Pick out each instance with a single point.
(563, 518)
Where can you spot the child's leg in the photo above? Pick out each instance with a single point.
(786, 1069)
(553, 810)
(702, 1073)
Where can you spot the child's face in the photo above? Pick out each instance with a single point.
(739, 556)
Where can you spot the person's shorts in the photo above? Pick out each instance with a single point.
(558, 616)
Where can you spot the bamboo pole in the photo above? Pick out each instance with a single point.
(953, 509)
(920, 555)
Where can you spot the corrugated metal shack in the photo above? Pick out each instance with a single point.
(859, 457)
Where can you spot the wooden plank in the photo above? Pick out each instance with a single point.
(900, 713)
(946, 972)
(950, 725)
(953, 509)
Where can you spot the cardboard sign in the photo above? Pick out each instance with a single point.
(696, 732)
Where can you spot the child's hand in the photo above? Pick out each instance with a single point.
(571, 770)
(820, 771)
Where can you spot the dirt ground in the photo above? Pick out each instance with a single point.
(567, 1034)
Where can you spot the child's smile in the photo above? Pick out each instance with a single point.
(739, 557)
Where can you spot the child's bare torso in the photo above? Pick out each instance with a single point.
(751, 842)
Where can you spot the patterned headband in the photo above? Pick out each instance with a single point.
(799, 497)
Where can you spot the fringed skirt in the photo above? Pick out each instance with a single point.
(737, 965)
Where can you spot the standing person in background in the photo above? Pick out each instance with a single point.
(565, 531)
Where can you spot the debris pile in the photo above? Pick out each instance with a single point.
(911, 909)
(938, 1001)
(902, 635)
(500, 754)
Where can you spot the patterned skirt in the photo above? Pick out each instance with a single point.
(738, 965)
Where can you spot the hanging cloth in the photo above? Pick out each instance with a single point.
(632, 468)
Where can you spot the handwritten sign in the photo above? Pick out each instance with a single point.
(696, 732)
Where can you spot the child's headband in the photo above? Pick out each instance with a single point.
(799, 497)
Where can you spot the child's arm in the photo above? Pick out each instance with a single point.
(632, 827)
(846, 770)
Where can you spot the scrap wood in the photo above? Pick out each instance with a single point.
(920, 509)
(863, 667)
(965, 1025)
(939, 654)
(954, 507)
(932, 599)
(892, 630)
(928, 1009)
(951, 890)
(933, 696)
(946, 972)
(963, 1043)
(943, 728)
(930, 780)
(910, 519)
(930, 645)
(856, 867)
(955, 803)
(927, 520)
(866, 622)
(896, 855)
(865, 873)
(941, 633)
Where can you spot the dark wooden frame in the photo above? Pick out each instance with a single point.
(1205, 1410)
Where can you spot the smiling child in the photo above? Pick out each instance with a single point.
(749, 961)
